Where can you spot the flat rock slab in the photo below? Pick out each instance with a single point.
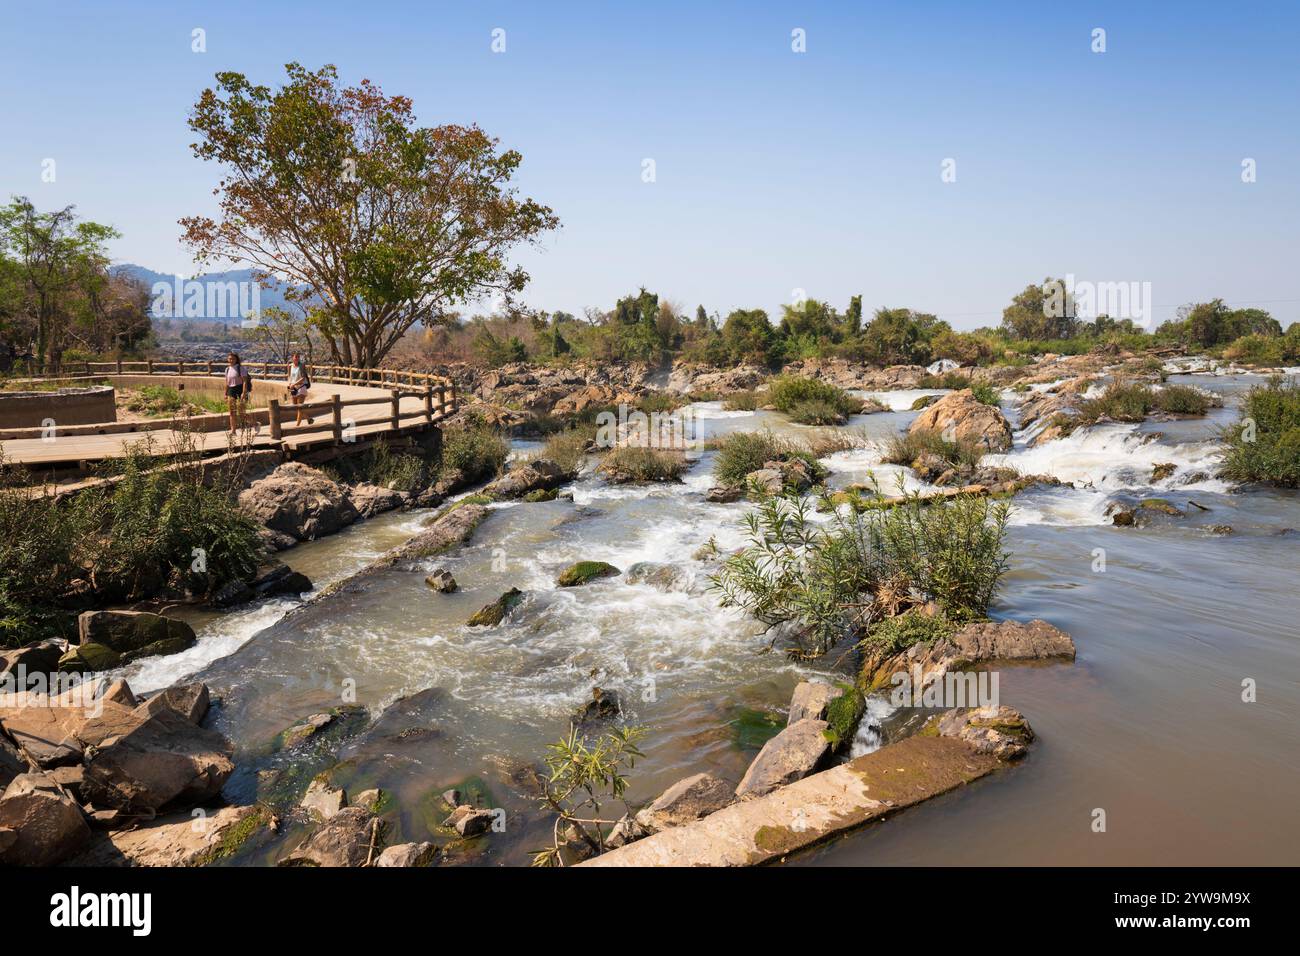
(812, 809)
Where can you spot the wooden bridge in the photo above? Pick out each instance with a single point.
(346, 405)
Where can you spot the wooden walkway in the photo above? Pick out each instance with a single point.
(342, 412)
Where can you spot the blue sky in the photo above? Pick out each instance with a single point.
(775, 170)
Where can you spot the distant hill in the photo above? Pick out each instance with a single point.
(219, 303)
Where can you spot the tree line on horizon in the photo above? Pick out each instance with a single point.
(644, 327)
(381, 231)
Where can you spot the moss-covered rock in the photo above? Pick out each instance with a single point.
(842, 716)
(89, 658)
(542, 494)
(324, 728)
(491, 615)
(235, 837)
(584, 571)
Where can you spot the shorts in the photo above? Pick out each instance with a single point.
(234, 391)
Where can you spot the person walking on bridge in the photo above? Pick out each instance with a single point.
(239, 385)
(299, 384)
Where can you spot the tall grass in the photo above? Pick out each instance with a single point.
(475, 451)
(906, 449)
(160, 522)
(789, 393)
(743, 452)
(380, 465)
(825, 583)
(1264, 445)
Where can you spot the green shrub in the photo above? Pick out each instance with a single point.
(747, 401)
(954, 380)
(743, 452)
(986, 394)
(1120, 402)
(786, 392)
(1131, 402)
(142, 531)
(1182, 400)
(893, 634)
(1264, 445)
(1255, 349)
(129, 538)
(660, 402)
(475, 450)
(906, 449)
(568, 449)
(637, 464)
(817, 412)
(821, 582)
(379, 465)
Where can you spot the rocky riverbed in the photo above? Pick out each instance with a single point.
(373, 698)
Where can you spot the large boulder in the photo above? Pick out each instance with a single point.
(975, 644)
(299, 501)
(541, 474)
(584, 399)
(811, 698)
(191, 701)
(346, 839)
(686, 800)
(178, 839)
(144, 759)
(89, 658)
(45, 727)
(133, 634)
(38, 657)
(12, 763)
(960, 417)
(370, 500)
(40, 824)
(789, 756)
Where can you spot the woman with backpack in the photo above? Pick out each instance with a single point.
(299, 384)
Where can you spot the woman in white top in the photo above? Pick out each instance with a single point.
(299, 384)
(238, 384)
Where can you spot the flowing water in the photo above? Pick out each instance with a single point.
(1147, 725)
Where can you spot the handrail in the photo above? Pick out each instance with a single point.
(434, 386)
(335, 374)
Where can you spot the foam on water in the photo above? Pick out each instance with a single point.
(1115, 458)
(704, 410)
(900, 400)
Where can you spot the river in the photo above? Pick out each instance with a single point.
(1148, 724)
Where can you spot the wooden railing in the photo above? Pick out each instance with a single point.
(336, 374)
(440, 399)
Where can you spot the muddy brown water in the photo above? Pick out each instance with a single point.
(1148, 724)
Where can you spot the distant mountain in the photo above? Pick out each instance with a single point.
(220, 301)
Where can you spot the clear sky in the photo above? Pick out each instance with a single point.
(774, 170)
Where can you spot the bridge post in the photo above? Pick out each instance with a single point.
(397, 409)
(428, 404)
(273, 411)
(337, 411)
(151, 366)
